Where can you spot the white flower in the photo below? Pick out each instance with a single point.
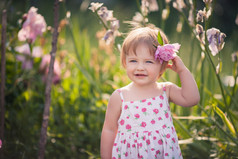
(190, 17)
(165, 14)
(153, 5)
(179, 27)
(207, 1)
(203, 14)
(229, 81)
(179, 5)
(234, 56)
(145, 7)
(138, 17)
(95, 6)
(200, 33)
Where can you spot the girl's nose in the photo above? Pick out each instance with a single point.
(140, 67)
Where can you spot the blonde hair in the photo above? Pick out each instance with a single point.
(146, 35)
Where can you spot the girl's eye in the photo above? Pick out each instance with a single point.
(149, 61)
(132, 61)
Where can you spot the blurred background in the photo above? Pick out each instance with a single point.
(89, 71)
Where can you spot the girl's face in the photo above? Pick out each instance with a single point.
(142, 68)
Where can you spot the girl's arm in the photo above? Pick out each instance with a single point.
(188, 94)
(110, 125)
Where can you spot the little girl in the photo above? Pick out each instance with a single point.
(138, 122)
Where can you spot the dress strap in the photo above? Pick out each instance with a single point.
(164, 88)
(119, 91)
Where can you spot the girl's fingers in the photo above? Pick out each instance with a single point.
(169, 66)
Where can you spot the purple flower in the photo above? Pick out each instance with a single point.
(166, 52)
(216, 40)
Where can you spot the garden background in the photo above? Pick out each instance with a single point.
(88, 70)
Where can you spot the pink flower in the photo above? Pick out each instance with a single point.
(156, 111)
(143, 137)
(126, 107)
(164, 126)
(148, 142)
(167, 115)
(173, 139)
(143, 110)
(0, 143)
(149, 103)
(159, 118)
(161, 105)
(160, 142)
(115, 144)
(128, 126)
(143, 124)
(33, 26)
(166, 154)
(122, 122)
(137, 116)
(144, 100)
(128, 145)
(126, 154)
(161, 97)
(124, 141)
(133, 145)
(166, 52)
(154, 138)
(153, 121)
(157, 152)
(44, 67)
(168, 136)
(26, 57)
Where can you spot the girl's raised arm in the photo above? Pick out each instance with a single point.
(110, 125)
(188, 94)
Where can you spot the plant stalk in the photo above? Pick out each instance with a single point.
(43, 135)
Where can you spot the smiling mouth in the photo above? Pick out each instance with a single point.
(140, 75)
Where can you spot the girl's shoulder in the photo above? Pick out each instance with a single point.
(166, 87)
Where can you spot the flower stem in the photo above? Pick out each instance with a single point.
(221, 87)
(105, 26)
(213, 67)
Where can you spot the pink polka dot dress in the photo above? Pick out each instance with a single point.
(146, 130)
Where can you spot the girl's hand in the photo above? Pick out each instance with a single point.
(178, 65)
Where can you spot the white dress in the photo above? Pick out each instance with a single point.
(146, 130)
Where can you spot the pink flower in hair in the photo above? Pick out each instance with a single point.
(166, 52)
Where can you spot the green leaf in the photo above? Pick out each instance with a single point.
(160, 40)
(225, 119)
